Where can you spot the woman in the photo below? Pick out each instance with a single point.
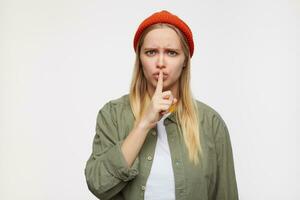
(158, 142)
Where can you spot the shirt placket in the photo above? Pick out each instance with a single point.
(175, 146)
(146, 156)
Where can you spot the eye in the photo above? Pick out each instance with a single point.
(149, 53)
(173, 53)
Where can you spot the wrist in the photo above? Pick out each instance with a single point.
(142, 125)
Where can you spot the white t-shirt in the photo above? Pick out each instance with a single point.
(160, 184)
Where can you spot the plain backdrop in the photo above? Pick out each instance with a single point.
(61, 61)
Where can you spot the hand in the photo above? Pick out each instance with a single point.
(159, 105)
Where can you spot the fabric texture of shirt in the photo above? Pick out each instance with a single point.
(160, 183)
(107, 173)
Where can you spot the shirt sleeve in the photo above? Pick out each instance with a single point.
(226, 186)
(107, 171)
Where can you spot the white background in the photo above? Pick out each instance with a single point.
(60, 61)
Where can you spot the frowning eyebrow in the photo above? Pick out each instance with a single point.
(172, 49)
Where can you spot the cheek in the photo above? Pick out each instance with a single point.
(147, 66)
(176, 76)
(146, 70)
(176, 72)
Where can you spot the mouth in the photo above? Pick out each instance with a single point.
(156, 76)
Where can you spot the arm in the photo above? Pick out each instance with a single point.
(226, 186)
(107, 171)
(134, 142)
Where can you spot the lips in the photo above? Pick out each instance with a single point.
(165, 76)
(157, 73)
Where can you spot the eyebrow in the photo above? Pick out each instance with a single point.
(174, 49)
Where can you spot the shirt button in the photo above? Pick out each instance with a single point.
(143, 187)
(177, 163)
(149, 158)
(154, 133)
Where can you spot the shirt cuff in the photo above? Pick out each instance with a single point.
(117, 165)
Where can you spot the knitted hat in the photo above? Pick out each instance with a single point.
(165, 17)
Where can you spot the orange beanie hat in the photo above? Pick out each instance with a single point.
(165, 17)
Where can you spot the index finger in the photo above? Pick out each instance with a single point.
(159, 86)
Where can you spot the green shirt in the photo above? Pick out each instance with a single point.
(108, 176)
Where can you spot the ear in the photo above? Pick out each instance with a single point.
(184, 63)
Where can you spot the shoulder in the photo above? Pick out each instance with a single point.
(122, 101)
(117, 109)
(211, 119)
(206, 110)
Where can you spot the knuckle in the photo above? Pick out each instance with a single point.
(168, 92)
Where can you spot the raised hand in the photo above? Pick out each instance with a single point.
(160, 104)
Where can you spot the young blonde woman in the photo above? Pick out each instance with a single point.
(158, 142)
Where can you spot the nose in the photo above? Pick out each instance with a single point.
(160, 61)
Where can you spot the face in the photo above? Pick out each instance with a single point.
(162, 50)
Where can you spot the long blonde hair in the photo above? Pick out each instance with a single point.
(186, 110)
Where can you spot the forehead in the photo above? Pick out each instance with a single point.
(162, 38)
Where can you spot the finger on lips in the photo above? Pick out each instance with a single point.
(159, 86)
